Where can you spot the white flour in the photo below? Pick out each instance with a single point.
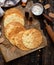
(37, 10)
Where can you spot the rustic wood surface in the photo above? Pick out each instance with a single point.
(44, 56)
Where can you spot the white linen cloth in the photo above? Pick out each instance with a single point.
(7, 3)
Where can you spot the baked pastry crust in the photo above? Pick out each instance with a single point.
(18, 41)
(13, 14)
(13, 10)
(32, 38)
(12, 29)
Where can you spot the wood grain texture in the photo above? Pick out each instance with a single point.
(11, 52)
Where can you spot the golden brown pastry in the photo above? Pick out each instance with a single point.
(18, 41)
(12, 29)
(13, 14)
(32, 38)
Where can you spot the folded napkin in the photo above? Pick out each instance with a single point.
(2, 3)
(1, 12)
(7, 3)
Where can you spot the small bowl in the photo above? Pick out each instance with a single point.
(37, 9)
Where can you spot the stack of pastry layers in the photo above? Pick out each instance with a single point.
(17, 34)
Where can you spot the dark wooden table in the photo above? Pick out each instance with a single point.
(44, 56)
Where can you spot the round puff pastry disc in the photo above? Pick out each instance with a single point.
(18, 41)
(32, 38)
(13, 14)
(12, 29)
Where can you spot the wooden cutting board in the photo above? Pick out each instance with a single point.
(11, 52)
